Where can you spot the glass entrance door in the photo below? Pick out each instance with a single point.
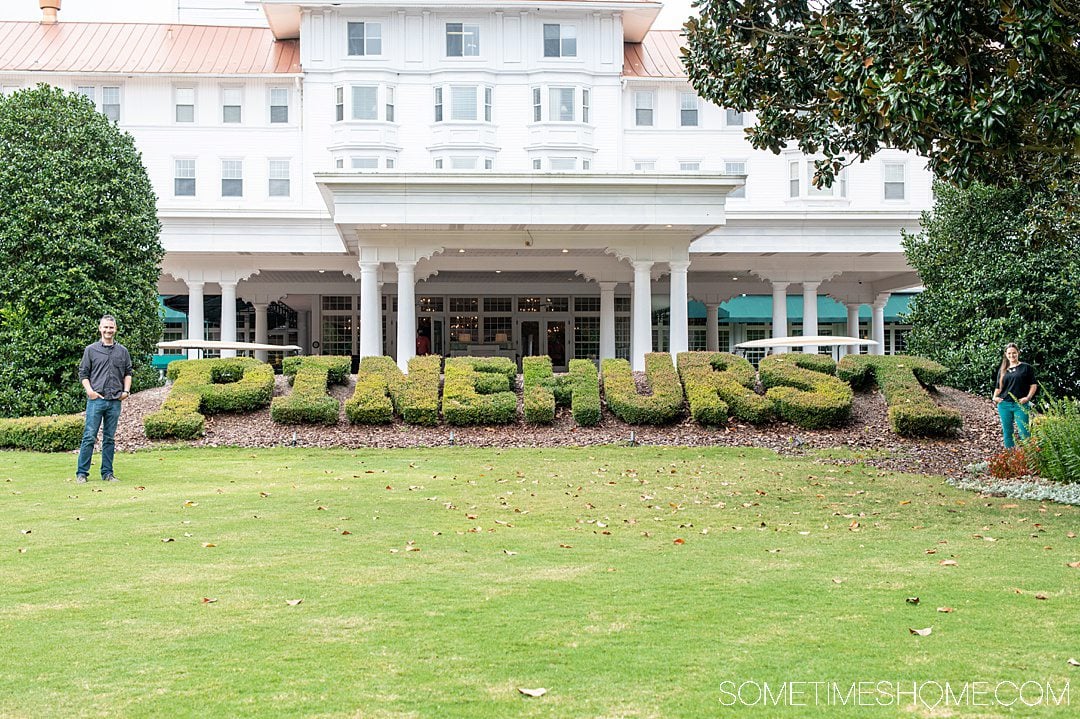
(530, 339)
(555, 338)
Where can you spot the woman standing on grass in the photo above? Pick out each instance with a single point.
(1013, 393)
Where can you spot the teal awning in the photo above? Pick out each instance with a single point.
(758, 308)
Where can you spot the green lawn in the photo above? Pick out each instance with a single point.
(628, 582)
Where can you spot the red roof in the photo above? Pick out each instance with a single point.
(129, 48)
(657, 55)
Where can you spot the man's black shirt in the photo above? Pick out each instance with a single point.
(105, 366)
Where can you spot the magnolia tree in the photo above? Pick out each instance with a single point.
(78, 239)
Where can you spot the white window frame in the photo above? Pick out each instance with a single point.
(364, 162)
(388, 103)
(586, 99)
(270, 105)
(177, 104)
(684, 165)
(119, 104)
(366, 39)
(449, 100)
(227, 170)
(689, 103)
(801, 187)
(887, 181)
(640, 106)
(555, 107)
(232, 96)
(374, 106)
(538, 104)
(87, 91)
(734, 119)
(440, 106)
(565, 40)
(457, 95)
(469, 33)
(182, 174)
(339, 103)
(644, 165)
(273, 175)
(730, 169)
(563, 164)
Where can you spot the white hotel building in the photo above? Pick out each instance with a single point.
(510, 177)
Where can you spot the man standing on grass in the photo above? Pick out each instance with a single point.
(105, 372)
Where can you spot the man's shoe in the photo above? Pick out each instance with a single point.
(80, 479)
(109, 478)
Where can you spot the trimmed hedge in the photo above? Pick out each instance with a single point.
(55, 433)
(717, 383)
(478, 390)
(663, 406)
(584, 384)
(209, 386)
(901, 378)
(418, 399)
(803, 390)
(309, 377)
(538, 390)
(377, 381)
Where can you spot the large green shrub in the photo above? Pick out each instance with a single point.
(209, 386)
(584, 392)
(999, 266)
(717, 383)
(309, 377)
(42, 434)
(912, 411)
(1055, 437)
(78, 239)
(663, 406)
(479, 390)
(803, 391)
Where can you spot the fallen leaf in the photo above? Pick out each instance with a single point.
(25, 531)
(208, 544)
(1074, 565)
(1040, 595)
(345, 532)
(912, 600)
(167, 539)
(1071, 535)
(189, 503)
(293, 602)
(264, 494)
(1018, 590)
(837, 580)
(508, 553)
(566, 546)
(921, 632)
(948, 563)
(1072, 662)
(680, 540)
(946, 610)
(320, 508)
(140, 488)
(931, 551)
(774, 551)
(208, 600)
(539, 692)
(1009, 506)
(22, 550)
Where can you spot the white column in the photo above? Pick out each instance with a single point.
(370, 311)
(607, 319)
(779, 312)
(303, 338)
(406, 318)
(809, 314)
(878, 325)
(228, 316)
(261, 334)
(196, 315)
(679, 319)
(641, 330)
(712, 329)
(852, 326)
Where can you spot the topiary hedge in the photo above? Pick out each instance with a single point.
(584, 384)
(56, 433)
(803, 391)
(663, 406)
(309, 377)
(901, 378)
(209, 386)
(377, 382)
(419, 397)
(478, 390)
(538, 389)
(717, 383)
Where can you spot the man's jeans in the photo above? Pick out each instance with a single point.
(1009, 411)
(99, 413)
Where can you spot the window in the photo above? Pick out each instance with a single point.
(279, 105)
(365, 38)
(389, 163)
(232, 178)
(793, 179)
(185, 104)
(586, 337)
(279, 178)
(643, 109)
(561, 104)
(536, 104)
(838, 189)
(339, 163)
(231, 100)
(463, 102)
(893, 174)
(462, 40)
(438, 104)
(536, 164)
(645, 166)
(733, 118)
(736, 168)
(9, 90)
(88, 91)
(462, 163)
(563, 164)
(488, 92)
(586, 164)
(389, 104)
(110, 103)
(184, 178)
(365, 163)
(339, 103)
(438, 163)
(365, 102)
(489, 164)
(690, 166)
(584, 105)
(560, 40)
(688, 110)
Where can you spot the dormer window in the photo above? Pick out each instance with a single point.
(365, 38)
(462, 40)
(560, 40)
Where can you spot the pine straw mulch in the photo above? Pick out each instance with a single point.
(867, 434)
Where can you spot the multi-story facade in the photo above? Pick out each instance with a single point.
(508, 177)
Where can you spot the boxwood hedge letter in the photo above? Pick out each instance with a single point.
(803, 390)
(309, 403)
(209, 386)
(717, 383)
(663, 406)
(478, 390)
(903, 380)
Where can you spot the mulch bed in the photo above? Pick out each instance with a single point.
(868, 431)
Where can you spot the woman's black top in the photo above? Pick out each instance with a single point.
(1017, 381)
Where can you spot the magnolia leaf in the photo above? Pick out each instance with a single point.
(539, 692)
(912, 600)
(680, 540)
(509, 553)
(1073, 663)
(189, 503)
(1040, 595)
(566, 546)
(264, 495)
(293, 602)
(921, 632)
(209, 600)
(208, 545)
(1074, 565)
(948, 563)
(167, 539)
(946, 610)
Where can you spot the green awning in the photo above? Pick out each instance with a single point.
(758, 308)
